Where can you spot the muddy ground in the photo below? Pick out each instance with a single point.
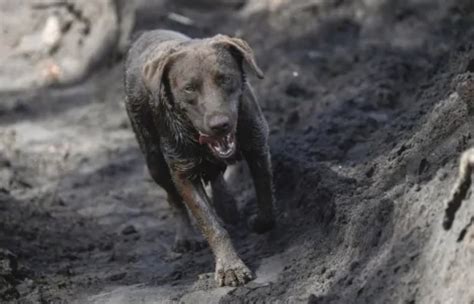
(370, 106)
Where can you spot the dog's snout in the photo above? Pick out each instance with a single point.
(220, 123)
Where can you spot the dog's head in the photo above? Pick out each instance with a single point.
(205, 79)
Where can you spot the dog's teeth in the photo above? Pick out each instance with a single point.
(223, 147)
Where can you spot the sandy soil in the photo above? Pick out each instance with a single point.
(370, 106)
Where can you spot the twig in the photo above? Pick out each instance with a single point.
(180, 19)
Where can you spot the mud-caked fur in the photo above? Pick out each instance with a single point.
(178, 91)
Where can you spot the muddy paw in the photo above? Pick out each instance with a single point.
(182, 245)
(261, 225)
(235, 275)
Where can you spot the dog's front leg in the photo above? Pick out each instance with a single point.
(261, 170)
(230, 270)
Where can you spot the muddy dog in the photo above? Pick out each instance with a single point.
(193, 113)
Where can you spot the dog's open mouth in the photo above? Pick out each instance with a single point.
(222, 147)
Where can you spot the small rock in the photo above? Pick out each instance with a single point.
(130, 229)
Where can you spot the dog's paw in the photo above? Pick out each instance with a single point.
(234, 275)
(261, 225)
(182, 245)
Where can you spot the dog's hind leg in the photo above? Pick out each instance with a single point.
(254, 131)
(261, 171)
(186, 239)
(224, 201)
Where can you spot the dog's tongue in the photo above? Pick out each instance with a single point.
(206, 139)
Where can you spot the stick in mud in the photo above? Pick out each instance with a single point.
(460, 189)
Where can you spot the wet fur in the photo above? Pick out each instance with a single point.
(179, 164)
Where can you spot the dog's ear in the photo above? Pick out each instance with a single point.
(155, 69)
(242, 48)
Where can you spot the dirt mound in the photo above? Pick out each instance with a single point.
(370, 107)
(60, 42)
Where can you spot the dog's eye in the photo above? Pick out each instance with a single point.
(189, 88)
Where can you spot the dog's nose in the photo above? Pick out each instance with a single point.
(219, 123)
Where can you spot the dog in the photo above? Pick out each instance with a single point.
(194, 113)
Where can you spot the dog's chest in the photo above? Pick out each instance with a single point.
(195, 160)
(212, 166)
